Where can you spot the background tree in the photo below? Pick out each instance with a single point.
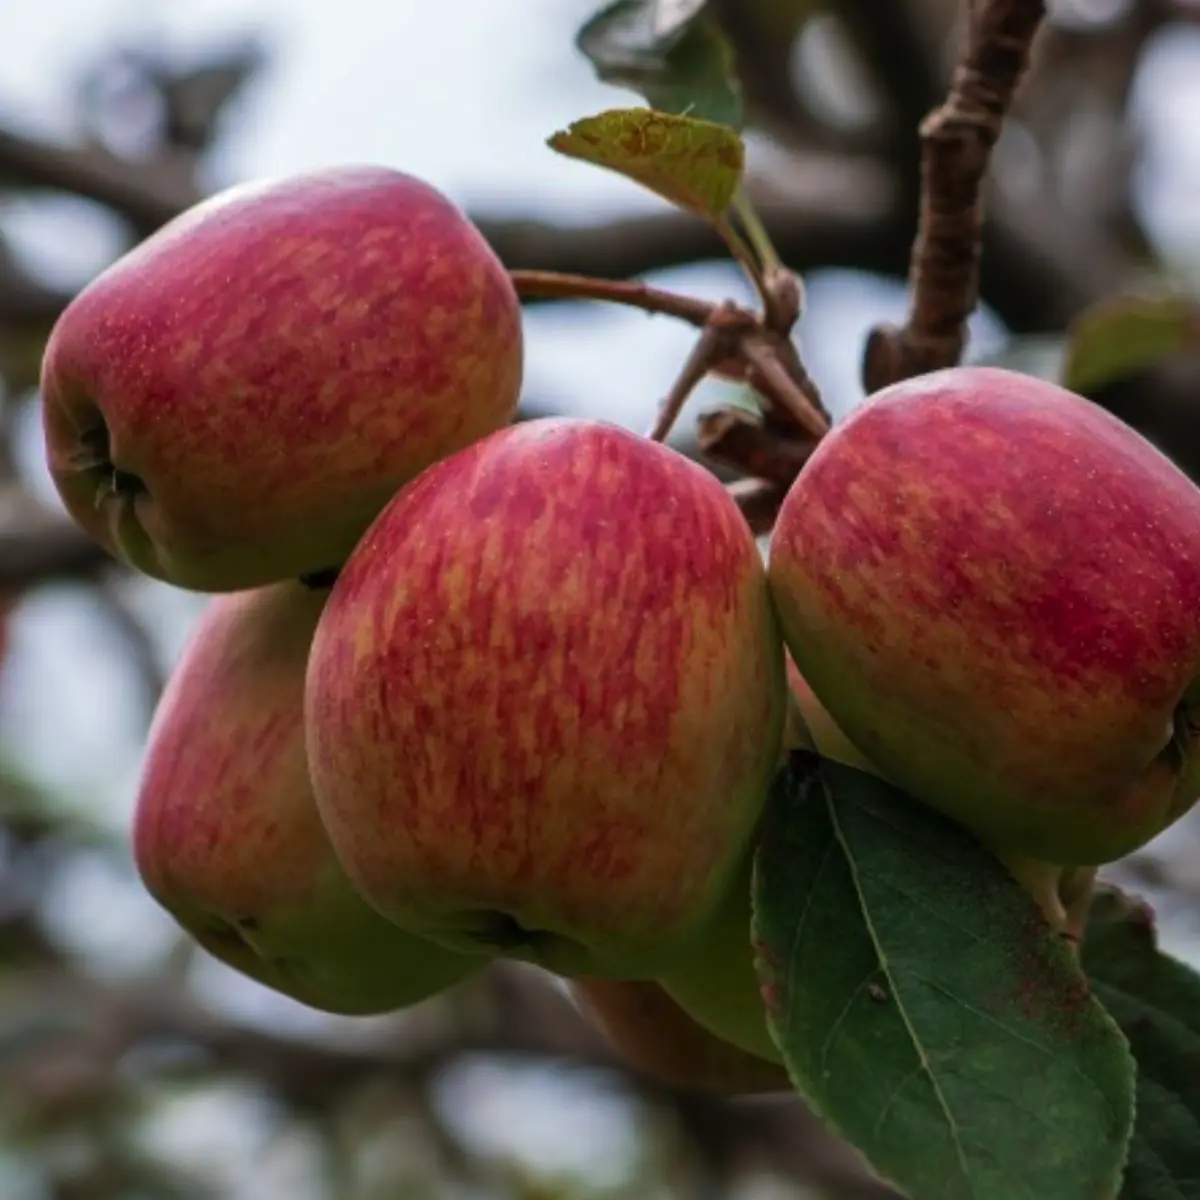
(134, 1066)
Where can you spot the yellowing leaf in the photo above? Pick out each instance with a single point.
(1117, 338)
(694, 164)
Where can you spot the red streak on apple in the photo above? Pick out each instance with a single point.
(549, 684)
(271, 366)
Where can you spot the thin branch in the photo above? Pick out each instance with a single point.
(36, 546)
(957, 141)
(739, 439)
(695, 367)
(842, 214)
(557, 285)
(778, 373)
(146, 193)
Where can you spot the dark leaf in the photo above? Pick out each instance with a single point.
(924, 1006)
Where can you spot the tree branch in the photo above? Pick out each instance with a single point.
(957, 141)
(147, 194)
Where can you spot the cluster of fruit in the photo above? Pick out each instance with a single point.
(470, 689)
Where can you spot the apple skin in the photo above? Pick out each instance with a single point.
(1063, 894)
(205, 397)
(652, 1035)
(717, 984)
(546, 698)
(810, 725)
(993, 586)
(226, 833)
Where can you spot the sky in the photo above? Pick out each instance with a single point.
(463, 93)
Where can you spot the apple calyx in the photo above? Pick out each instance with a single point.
(237, 935)
(1184, 733)
(499, 932)
(496, 930)
(94, 457)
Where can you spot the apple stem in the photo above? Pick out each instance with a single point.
(956, 145)
(787, 385)
(695, 367)
(563, 286)
(1077, 889)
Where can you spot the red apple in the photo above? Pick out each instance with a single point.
(655, 1037)
(233, 401)
(993, 586)
(546, 698)
(811, 726)
(226, 832)
(716, 983)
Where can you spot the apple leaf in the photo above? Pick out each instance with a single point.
(1156, 1001)
(674, 16)
(1117, 338)
(671, 52)
(922, 1004)
(695, 164)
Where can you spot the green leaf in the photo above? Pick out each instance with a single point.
(694, 164)
(671, 52)
(923, 1005)
(672, 17)
(1156, 1001)
(1118, 338)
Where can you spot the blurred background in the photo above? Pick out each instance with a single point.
(134, 1066)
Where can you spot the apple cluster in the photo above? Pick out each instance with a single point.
(464, 687)
(470, 688)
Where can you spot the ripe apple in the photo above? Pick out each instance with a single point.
(656, 1038)
(1063, 894)
(234, 401)
(717, 985)
(811, 726)
(226, 832)
(546, 698)
(993, 586)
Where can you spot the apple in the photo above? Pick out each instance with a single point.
(1063, 894)
(993, 587)
(810, 725)
(717, 983)
(226, 833)
(546, 698)
(655, 1037)
(232, 402)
